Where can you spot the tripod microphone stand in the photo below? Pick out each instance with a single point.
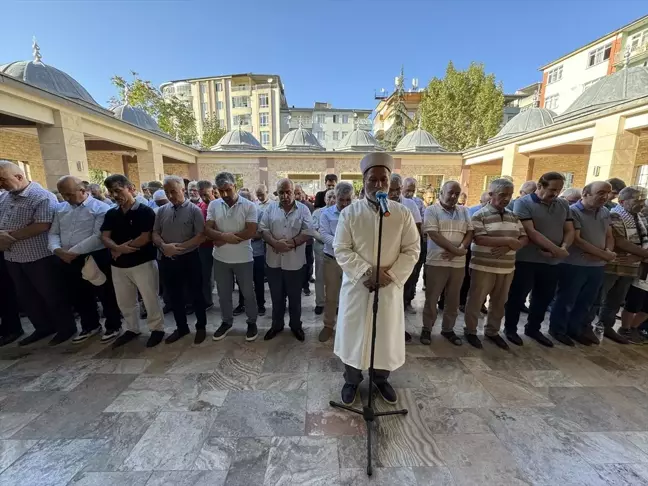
(367, 411)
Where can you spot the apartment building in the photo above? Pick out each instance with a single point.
(383, 118)
(253, 101)
(564, 79)
(329, 125)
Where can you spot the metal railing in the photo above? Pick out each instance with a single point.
(638, 50)
(241, 87)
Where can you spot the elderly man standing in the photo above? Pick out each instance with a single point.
(330, 180)
(258, 250)
(547, 221)
(581, 274)
(232, 222)
(193, 192)
(450, 231)
(332, 271)
(529, 187)
(285, 226)
(75, 236)
(300, 196)
(356, 251)
(318, 250)
(26, 214)
(178, 232)
(498, 235)
(617, 186)
(206, 248)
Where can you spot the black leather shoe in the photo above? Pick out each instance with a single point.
(541, 338)
(61, 337)
(272, 332)
(514, 338)
(200, 336)
(299, 334)
(318, 310)
(175, 335)
(562, 338)
(499, 341)
(349, 393)
(10, 338)
(239, 310)
(579, 338)
(408, 337)
(34, 337)
(474, 341)
(127, 337)
(154, 339)
(387, 392)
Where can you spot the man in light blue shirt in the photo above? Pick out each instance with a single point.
(483, 201)
(73, 237)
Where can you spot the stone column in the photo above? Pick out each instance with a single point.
(149, 163)
(398, 164)
(194, 173)
(516, 165)
(263, 173)
(63, 148)
(614, 151)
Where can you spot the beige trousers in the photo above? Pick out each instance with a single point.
(483, 284)
(145, 278)
(437, 279)
(332, 285)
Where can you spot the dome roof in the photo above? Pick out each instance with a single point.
(47, 77)
(419, 141)
(136, 116)
(359, 141)
(300, 140)
(624, 85)
(238, 139)
(524, 122)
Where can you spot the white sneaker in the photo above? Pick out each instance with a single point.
(109, 336)
(83, 335)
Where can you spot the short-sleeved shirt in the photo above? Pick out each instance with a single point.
(489, 221)
(19, 209)
(411, 205)
(126, 226)
(233, 220)
(453, 226)
(548, 219)
(203, 209)
(593, 226)
(177, 224)
(258, 246)
(328, 221)
(631, 234)
(286, 226)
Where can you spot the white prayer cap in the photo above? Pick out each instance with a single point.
(159, 195)
(376, 159)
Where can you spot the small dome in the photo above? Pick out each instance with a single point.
(524, 122)
(359, 141)
(238, 139)
(624, 85)
(300, 140)
(136, 116)
(419, 141)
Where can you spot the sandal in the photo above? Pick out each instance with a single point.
(452, 337)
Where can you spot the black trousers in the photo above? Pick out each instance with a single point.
(174, 272)
(308, 268)
(259, 282)
(206, 266)
(83, 295)
(282, 282)
(40, 293)
(9, 312)
(409, 289)
(541, 280)
(353, 376)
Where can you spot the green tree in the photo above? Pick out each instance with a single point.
(401, 122)
(173, 115)
(212, 131)
(462, 108)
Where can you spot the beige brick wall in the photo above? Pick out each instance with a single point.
(562, 163)
(181, 170)
(108, 161)
(21, 147)
(476, 178)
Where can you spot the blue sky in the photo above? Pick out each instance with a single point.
(338, 51)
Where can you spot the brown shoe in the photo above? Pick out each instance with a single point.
(325, 334)
(610, 333)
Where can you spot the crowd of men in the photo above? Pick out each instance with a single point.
(576, 253)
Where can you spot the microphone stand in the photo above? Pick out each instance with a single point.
(367, 411)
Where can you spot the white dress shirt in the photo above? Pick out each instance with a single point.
(77, 228)
(286, 226)
(232, 220)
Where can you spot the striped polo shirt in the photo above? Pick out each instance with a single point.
(489, 221)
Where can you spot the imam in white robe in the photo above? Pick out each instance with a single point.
(356, 251)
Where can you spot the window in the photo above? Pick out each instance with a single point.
(554, 75)
(240, 101)
(203, 88)
(589, 83)
(264, 101)
(641, 175)
(320, 136)
(241, 120)
(264, 119)
(598, 55)
(204, 109)
(27, 170)
(219, 105)
(569, 179)
(637, 40)
(320, 118)
(221, 123)
(219, 86)
(345, 118)
(336, 135)
(265, 138)
(488, 179)
(344, 134)
(551, 102)
(336, 118)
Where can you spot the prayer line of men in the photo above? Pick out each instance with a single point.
(238, 240)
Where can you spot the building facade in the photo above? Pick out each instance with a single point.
(253, 101)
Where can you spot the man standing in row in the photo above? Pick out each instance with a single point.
(206, 248)
(330, 180)
(300, 196)
(259, 250)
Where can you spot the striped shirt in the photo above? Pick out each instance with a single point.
(488, 221)
(453, 226)
(627, 232)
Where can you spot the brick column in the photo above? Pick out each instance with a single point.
(264, 178)
(397, 165)
(516, 165)
(63, 148)
(149, 163)
(613, 153)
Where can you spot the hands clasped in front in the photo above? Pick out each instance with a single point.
(383, 279)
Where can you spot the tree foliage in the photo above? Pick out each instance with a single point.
(173, 115)
(401, 122)
(463, 108)
(212, 131)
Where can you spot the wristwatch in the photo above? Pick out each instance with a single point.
(368, 273)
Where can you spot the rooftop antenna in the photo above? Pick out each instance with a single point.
(415, 84)
(36, 50)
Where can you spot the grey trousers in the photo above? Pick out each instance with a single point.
(207, 267)
(224, 274)
(353, 376)
(320, 298)
(613, 293)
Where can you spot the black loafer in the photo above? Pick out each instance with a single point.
(272, 332)
(541, 338)
(349, 393)
(514, 338)
(299, 334)
(474, 341)
(387, 392)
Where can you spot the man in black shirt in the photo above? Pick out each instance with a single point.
(320, 198)
(126, 232)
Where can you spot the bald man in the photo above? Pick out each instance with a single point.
(26, 214)
(529, 187)
(75, 236)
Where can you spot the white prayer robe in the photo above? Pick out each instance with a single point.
(356, 251)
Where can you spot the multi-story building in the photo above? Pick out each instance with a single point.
(383, 118)
(634, 45)
(253, 101)
(522, 99)
(564, 79)
(329, 125)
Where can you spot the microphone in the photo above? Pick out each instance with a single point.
(381, 197)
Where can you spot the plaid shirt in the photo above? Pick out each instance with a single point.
(17, 210)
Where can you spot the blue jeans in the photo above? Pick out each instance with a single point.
(578, 290)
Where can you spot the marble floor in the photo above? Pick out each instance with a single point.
(236, 413)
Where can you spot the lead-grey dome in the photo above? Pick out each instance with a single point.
(419, 141)
(300, 140)
(238, 139)
(524, 122)
(624, 85)
(359, 141)
(136, 116)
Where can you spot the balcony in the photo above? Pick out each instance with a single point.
(365, 124)
(305, 123)
(639, 50)
(240, 87)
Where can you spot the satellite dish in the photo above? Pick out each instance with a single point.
(270, 80)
